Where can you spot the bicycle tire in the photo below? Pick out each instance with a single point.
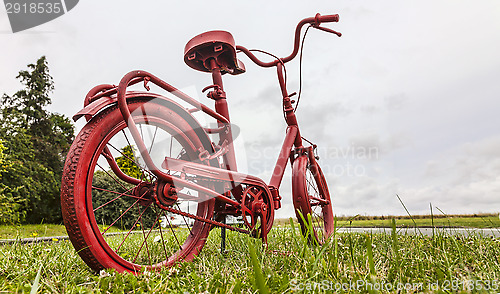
(309, 185)
(83, 192)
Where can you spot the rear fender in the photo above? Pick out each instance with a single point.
(93, 108)
(96, 106)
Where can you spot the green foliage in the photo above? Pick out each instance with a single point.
(36, 144)
(31, 230)
(36, 283)
(10, 204)
(448, 264)
(30, 102)
(470, 221)
(127, 162)
(260, 282)
(116, 205)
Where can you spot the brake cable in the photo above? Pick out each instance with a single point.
(272, 55)
(280, 61)
(300, 68)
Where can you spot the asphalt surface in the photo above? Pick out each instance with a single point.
(466, 232)
(493, 232)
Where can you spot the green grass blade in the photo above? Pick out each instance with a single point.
(336, 248)
(395, 247)
(432, 221)
(260, 282)
(369, 253)
(404, 206)
(36, 283)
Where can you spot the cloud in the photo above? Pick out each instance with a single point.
(395, 102)
(464, 179)
(423, 93)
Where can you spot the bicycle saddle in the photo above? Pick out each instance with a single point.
(218, 45)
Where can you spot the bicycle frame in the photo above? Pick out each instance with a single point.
(104, 95)
(190, 168)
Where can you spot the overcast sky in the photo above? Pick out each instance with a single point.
(406, 102)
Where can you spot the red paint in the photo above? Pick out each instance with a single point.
(209, 168)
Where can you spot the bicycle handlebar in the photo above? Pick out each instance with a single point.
(327, 18)
(314, 21)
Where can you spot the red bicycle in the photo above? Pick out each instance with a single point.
(144, 182)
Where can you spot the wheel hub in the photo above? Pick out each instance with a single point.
(144, 191)
(166, 195)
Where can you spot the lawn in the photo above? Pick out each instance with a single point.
(452, 221)
(348, 263)
(465, 221)
(35, 231)
(30, 231)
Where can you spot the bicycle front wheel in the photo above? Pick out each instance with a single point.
(118, 222)
(311, 197)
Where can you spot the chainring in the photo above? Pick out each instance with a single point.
(255, 201)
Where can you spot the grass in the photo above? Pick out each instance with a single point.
(355, 262)
(36, 230)
(30, 231)
(481, 221)
(466, 221)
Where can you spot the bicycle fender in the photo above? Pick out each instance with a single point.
(96, 106)
(101, 103)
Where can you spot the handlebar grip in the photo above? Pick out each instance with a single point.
(326, 18)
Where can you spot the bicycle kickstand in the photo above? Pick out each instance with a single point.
(263, 227)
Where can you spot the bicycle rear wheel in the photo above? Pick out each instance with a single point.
(311, 197)
(120, 224)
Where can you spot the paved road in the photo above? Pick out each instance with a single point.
(495, 232)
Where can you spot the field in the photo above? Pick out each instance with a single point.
(481, 221)
(348, 263)
(461, 221)
(464, 221)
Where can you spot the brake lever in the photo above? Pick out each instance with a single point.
(327, 30)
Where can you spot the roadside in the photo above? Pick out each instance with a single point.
(480, 221)
(443, 231)
(486, 224)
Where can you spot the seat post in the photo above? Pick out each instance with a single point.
(220, 100)
(216, 74)
(229, 158)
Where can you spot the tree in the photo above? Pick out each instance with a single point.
(10, 205)
(37, 142)
(125, 209)
(128, 163)
(125, 205)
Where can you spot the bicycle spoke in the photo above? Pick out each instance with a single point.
(114, 179)
(132, 225)
(145, 240)
(130, 145)
(171, 143)
(161, 236)
(173, 233)
(187, 225)
(137, 201)
(140, 126)
(311, 184)
(152, 141)
(114, 199)
(134, 161)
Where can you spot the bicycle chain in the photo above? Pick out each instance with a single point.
(205, 179)
(212, 222)
(209, 221)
